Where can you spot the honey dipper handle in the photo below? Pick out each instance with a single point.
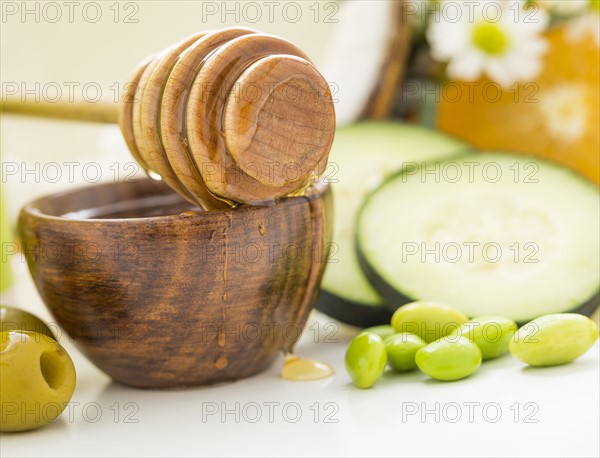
(104, 111)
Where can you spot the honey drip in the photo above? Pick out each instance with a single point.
(301, 369)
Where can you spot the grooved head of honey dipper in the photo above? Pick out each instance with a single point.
(279, 121)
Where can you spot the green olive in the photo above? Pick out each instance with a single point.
(384, 330)
(401, 350)
(37, 380)
(449, 358)
(14, 319)
(492, 334)
(429, 320)
(365, 359)
(554, 339)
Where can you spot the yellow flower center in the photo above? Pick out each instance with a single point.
(490, 38)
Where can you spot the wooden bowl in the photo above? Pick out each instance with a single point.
(159, 294)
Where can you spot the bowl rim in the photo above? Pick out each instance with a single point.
(313, 192)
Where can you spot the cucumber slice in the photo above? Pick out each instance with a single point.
(363, 155)
(536, 225)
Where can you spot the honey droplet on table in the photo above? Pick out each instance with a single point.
(300, 369)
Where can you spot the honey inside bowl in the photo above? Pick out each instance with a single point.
(158, 294)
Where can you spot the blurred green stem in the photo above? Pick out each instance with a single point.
(6, 237)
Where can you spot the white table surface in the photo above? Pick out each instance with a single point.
(505, 409)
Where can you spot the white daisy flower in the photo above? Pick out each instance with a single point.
(583, 27)
(499, 38)
(564, 111)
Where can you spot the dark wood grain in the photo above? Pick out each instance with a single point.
(182, 298)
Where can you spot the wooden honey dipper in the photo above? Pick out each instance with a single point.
(228, 116)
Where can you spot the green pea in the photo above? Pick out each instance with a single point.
(401, 349)
(554, 339)
(429, 320)
(492, 334)
(449, 358)
(365, 359)
(384, 330)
